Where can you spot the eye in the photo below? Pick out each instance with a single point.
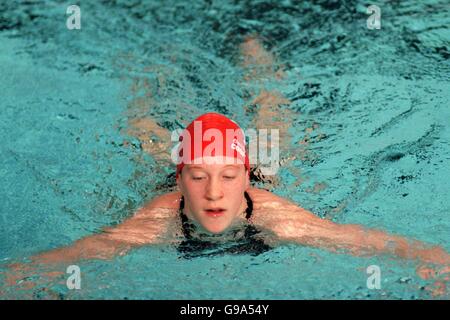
(229, 177)
(198, 178)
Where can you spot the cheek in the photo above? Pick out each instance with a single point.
(194, 194)
(194, 197)
(191, 189)
(238, 186)
(234, 193)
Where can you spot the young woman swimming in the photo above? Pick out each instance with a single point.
(215, 197)
(215, 204)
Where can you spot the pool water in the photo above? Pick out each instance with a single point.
(368, 136)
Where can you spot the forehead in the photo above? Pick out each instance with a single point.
(215, 160)
(213, 167)
(215, 164)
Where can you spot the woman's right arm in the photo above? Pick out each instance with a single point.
(146, 226)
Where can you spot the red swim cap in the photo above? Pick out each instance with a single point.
(212, 134)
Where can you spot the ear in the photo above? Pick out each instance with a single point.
(247, 180)
(179, 183)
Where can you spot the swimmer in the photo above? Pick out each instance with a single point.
(215, 196)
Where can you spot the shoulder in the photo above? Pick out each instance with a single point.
(168, 200)
(274, 211)
(269, 207)
(264, 198)
(162, 205)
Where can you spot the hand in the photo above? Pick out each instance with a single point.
(441, 275)
(17, 274)
(25, 277)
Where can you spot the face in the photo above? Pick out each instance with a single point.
(214, 193)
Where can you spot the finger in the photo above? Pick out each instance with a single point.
(426, 272)
(438, 289)
(444, 270)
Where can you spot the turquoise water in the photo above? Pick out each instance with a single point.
(378, 101)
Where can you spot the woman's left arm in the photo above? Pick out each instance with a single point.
(304, 227)
(290, 223)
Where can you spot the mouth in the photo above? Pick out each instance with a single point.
(215, 212)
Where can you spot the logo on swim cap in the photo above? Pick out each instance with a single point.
(211, 135)
(236, 145)
(214, 139)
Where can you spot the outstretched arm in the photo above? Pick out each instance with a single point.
(294, 224)
(356, 239)
(146, 226)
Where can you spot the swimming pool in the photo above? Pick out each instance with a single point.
(368, 129)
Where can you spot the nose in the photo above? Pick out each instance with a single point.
(214, 190)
